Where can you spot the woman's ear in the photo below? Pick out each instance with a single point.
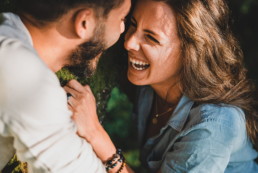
(84, 23)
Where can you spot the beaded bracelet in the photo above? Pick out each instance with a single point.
(117, 157)
(121, 168)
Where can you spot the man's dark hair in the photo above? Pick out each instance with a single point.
(50, 10)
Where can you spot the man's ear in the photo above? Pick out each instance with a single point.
(84, 23)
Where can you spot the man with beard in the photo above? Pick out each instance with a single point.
(43, 37)
(85, 58)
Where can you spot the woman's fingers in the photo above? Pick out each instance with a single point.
(82, 103)
(81, 99)
(75, 85)
(71, 91)
(70, 108)
(74, 88)
(72, 102)
(87, 88)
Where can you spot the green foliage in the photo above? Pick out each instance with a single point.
(101, 82)
(246, 6)
(15, 166)
(132, 157)
(121, 129)
(119, 110)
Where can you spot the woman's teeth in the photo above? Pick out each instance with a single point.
(139, 65)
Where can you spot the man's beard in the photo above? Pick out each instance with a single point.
(85, 58)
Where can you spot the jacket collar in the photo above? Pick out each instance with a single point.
(178, 117)
(181, 113)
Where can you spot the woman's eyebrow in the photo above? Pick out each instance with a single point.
(149, 31)
(145, 30)
(133, 19)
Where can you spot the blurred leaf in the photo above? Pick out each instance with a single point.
(245, 8)
(118, 120)
(15, 166)
(132, 157)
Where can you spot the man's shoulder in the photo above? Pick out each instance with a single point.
(18, 57)
(10, 45)
(20, 66)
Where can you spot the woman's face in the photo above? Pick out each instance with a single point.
(153, 45)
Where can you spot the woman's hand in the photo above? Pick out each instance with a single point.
(83, 105)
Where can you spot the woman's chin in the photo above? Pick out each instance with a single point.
(138, 76)
(136, 80)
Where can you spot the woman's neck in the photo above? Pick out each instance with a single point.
(170, 93)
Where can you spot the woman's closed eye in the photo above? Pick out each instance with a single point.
(149, 37)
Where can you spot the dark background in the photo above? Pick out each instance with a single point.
(245, 27)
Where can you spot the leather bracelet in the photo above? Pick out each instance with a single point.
(122, 167)
(117, 157)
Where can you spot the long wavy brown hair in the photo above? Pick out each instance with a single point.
(213, 69)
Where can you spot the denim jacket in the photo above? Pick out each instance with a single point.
(206, 138)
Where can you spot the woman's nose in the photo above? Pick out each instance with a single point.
(131, 41)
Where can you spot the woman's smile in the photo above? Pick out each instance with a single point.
(138, 64)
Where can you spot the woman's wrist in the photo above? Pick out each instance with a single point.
(90, 132)
(105, 149)
(101, 143)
